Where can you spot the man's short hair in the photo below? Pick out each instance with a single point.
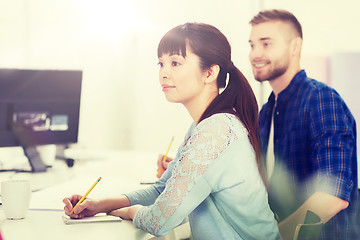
(277, 15)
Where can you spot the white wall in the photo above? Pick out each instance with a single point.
(114, 42)
(345, 74)
(71, 34)
(156, 119)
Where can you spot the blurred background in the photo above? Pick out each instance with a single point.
(114, 43)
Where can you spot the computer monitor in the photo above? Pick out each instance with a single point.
(39, 107)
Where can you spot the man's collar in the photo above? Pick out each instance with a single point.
(289, 91)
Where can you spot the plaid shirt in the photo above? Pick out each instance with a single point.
(315, 150)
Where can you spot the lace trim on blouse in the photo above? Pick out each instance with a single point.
(207, 141)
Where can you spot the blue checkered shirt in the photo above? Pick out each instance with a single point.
(315, 150)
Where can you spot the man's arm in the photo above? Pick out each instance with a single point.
(332, 142)
(323, 204)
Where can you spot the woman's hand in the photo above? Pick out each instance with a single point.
(162, 165)
(127, 213)
(86, 209)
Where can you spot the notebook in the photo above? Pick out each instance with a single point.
(95, 219)
(311, 228)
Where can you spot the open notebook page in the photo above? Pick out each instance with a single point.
(94, 219)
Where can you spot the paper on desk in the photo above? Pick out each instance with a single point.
(95, 219)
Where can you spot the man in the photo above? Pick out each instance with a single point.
(308, 134)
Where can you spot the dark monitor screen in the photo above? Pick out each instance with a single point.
(39, 107)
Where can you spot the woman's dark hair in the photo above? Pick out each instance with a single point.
(213, 48)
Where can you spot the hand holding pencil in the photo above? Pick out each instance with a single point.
(163, 161)
(86, 194)
(88, 208)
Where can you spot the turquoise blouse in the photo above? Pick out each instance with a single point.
(214, 181)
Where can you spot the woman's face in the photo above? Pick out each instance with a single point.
(181, 79)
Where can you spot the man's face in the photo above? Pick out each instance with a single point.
(270, 50)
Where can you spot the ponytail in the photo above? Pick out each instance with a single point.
(239, 99)
(212, 47)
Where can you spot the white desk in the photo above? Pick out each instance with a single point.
(121, 173)
(48, 225)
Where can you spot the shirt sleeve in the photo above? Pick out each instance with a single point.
(148, 196)
(187, 187)
(333, 141)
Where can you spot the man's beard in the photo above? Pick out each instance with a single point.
(277, 72)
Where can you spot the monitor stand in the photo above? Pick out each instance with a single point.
(36, 163)
(30, 151)
(60, 154)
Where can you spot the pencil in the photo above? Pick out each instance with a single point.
(165, 156)
(87, 193)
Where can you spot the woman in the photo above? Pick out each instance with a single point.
(216, 178)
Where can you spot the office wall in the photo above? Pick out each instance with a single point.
(345, 74)
(327, 27)
(156, 119)
(114, 42)
(66, 34)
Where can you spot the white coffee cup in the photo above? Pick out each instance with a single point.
(15, 198)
